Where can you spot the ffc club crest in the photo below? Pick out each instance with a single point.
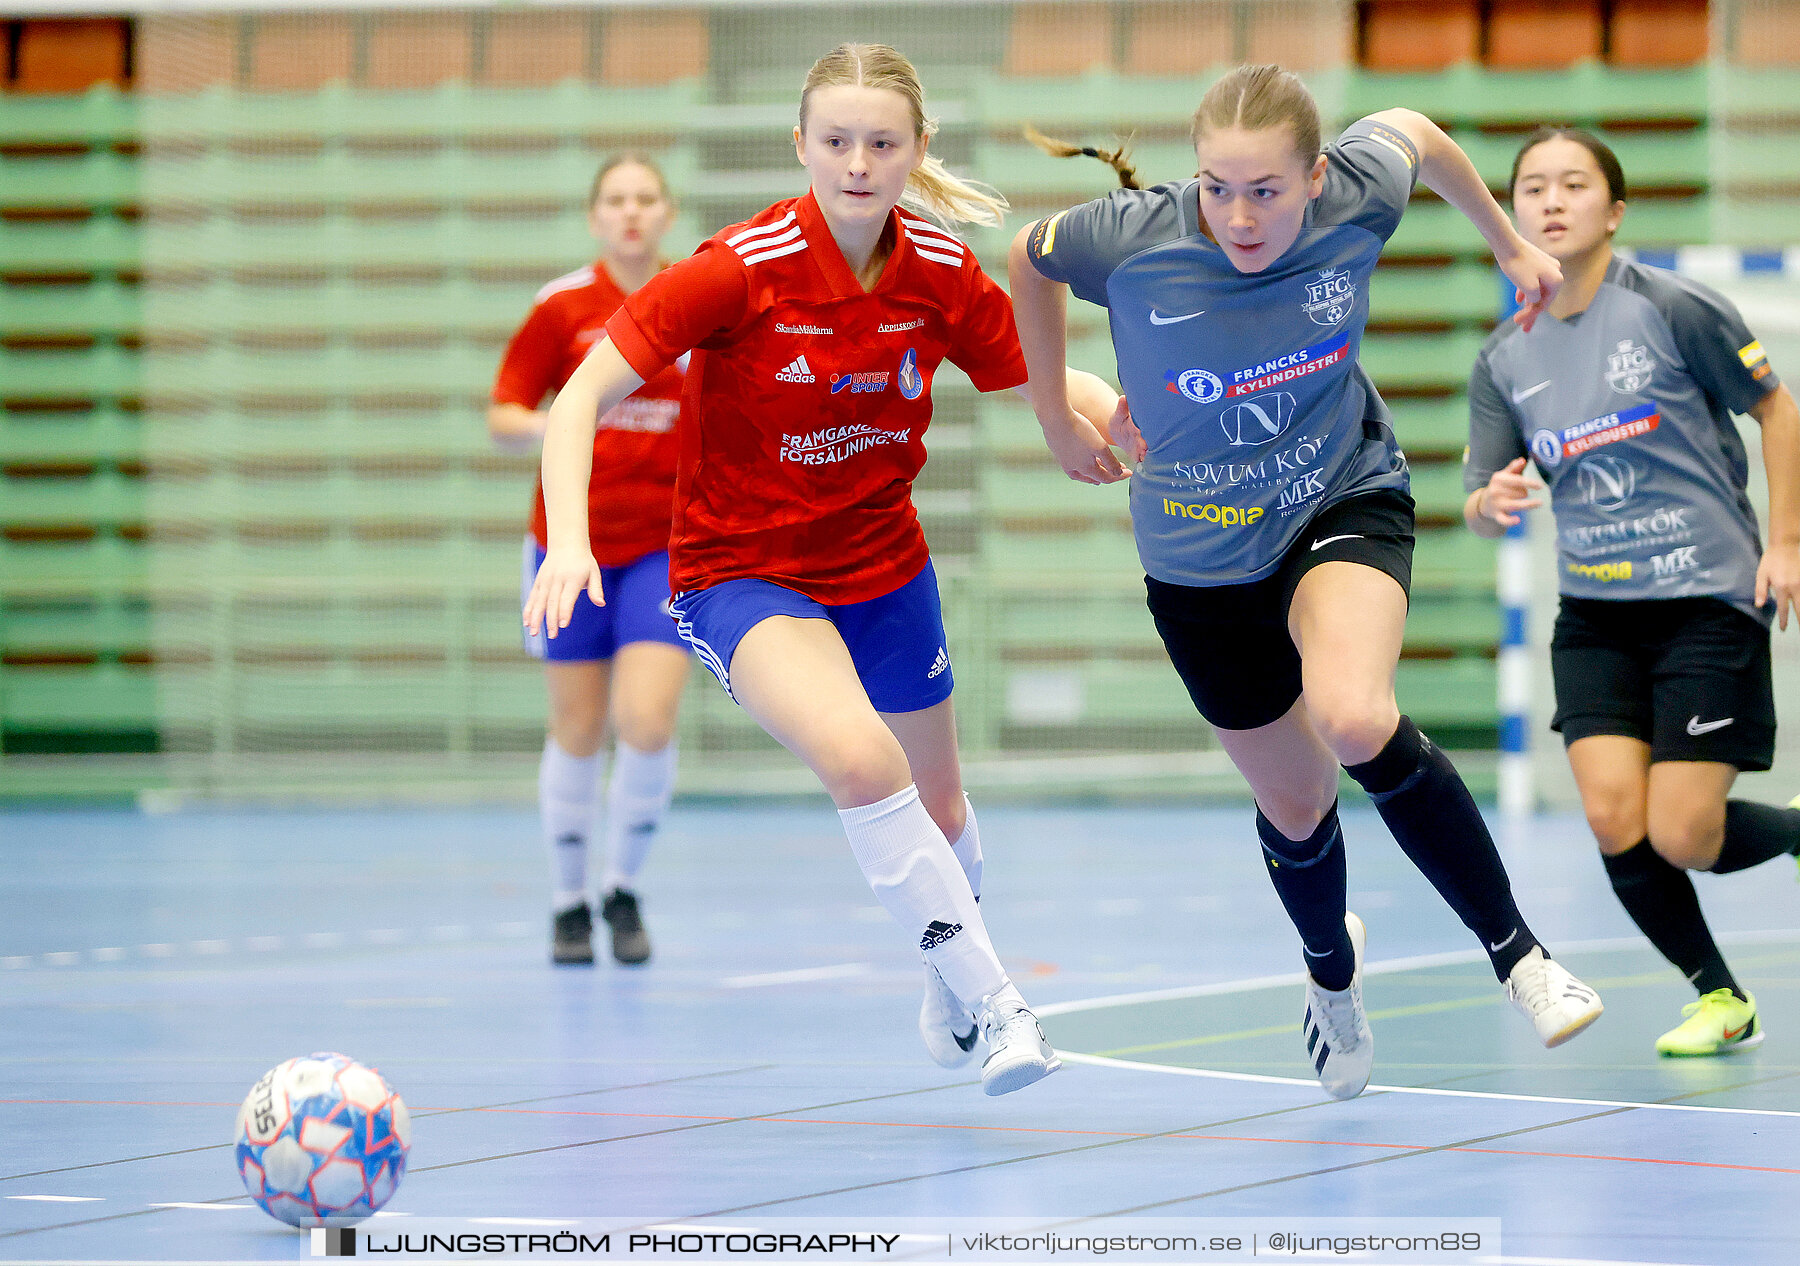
(1629, 369)
(1330, 297)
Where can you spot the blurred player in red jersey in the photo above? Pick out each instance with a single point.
(801, 576)
(623, 661)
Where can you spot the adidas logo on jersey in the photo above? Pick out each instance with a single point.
(797, 371)
(939, 664)
(936, 933)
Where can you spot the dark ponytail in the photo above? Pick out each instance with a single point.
(1117, 159)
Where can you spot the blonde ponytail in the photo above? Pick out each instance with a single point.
(930, 189)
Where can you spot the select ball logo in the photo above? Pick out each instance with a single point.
(265, 1109)
(1198, 385)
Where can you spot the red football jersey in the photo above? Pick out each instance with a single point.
(632, 489)
(807, 399)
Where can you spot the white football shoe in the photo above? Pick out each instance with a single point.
(948, 1029)
(1338, 1040)
(1558, 1005)
(1018, 1052)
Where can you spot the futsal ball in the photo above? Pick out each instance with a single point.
(322, 1141)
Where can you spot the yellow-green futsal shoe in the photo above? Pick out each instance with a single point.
(1717, 1024)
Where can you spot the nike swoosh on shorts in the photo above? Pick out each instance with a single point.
(1698, 727)
(1348, 536)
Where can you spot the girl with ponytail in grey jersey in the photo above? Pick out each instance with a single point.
(1270, 500)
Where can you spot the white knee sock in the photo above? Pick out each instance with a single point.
(967, 848)
(909, 864)
(568, 803)
(642, 783)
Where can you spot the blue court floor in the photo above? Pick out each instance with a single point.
(765, 1064)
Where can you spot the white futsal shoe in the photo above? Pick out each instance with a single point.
(948, 1029)
(1018, 1052)
(1558, 1005)
(1338, 1040)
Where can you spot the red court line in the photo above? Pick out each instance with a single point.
(995, 1129)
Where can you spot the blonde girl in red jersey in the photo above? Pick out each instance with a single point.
(623, 663)
(801, 576)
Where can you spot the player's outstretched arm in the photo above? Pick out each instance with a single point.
(1447, 171)
(1778, 575)
(1068, 403)
(514, 428)
(601, 380)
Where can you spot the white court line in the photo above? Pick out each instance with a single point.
(1507, 1259)
(1390, 967)
(190, 1204)
(60, 1199)
(839, 972)
(1105, 1061)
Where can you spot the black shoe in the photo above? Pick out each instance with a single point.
(572, 935)
(630, 943)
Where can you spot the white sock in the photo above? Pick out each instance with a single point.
(909, 864)
(568, 803)
(967, 848)
(642, 783)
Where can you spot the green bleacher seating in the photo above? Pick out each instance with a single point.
(103, 309)
(102, 435)
(1588, 92)
(1421, 360)
(101, 497)
(102, 699)
(1466, 293)
(103, 372)
(1436, 427)
(74, 182)
(1098, 103)
(100, 118)
(1453, 559)
(102, 244)
(1437, 488)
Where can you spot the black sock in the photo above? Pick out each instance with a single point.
(1433, 817)
(1309, 877)
(1754, 833)
(1660, 899)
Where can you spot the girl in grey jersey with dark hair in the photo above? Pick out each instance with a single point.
(1270, 499)
(1622, 395)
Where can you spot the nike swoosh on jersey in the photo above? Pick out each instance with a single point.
(1520, 397)
(1697, 727)
(1157, 318)
(1348, 536)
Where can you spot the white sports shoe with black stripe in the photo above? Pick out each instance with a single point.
(1338, 1040)
(1558, 1005)
(948, 1029)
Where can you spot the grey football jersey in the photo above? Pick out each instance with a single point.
(1626, 410)
(1245, 385)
